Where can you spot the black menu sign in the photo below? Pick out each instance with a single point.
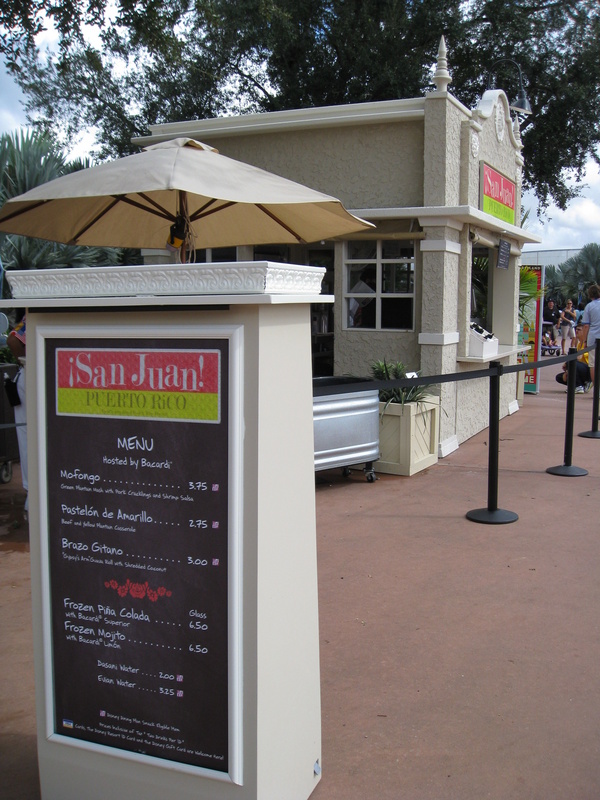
(503, 254)
(137, 476)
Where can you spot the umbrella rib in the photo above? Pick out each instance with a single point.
(90, 224)
(20, 211)
(203, 212)
(163, 211)
(160, 212)
(280, 222)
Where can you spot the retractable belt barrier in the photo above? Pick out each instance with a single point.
(492, 514)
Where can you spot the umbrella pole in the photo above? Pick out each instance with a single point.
(182, 211)
(187, 248)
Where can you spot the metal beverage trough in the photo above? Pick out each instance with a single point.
(346, 426)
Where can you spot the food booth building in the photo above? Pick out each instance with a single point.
(442, 185)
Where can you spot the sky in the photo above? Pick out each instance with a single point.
(571, 229)
(12, 115)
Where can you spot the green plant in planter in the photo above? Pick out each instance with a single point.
(382, 371)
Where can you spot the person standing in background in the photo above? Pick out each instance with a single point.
(591, 324)
(567, 326)
(551, 318)
(16, 343)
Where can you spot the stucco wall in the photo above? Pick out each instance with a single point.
(472, 406)
(364, 166)
(442, 165)
(359, 348)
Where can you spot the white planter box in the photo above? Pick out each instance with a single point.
(408, 436)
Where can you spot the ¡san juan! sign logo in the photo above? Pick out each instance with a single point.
(175, 385)
(498, 195)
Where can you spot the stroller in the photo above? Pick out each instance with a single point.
(549, 346)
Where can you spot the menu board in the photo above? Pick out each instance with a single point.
(137, 541)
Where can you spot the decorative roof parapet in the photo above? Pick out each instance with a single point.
(517, 130)
(488, 105)
(442, 77)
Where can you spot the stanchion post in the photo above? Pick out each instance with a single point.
(567, 469)
(594, 433)
(492, 515)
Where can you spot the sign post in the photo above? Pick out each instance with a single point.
(173, 541)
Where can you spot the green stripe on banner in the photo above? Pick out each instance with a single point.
(498, 210)
(199, 407)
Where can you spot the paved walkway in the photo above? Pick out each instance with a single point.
(460, 661)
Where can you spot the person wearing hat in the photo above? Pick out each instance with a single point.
(551, 320)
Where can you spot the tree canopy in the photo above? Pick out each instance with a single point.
(572, 278)
(170, 60)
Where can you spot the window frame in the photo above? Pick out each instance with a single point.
(379, 262)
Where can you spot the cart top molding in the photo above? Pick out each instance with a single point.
(201, 284)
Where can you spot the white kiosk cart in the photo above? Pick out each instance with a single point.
(172, 523)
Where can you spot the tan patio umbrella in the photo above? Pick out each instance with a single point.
(180, 189)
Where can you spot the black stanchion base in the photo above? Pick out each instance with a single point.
(568, 472)
(498, 517)
(590, 434)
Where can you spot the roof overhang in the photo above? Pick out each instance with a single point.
(449, 216)
(353, 114)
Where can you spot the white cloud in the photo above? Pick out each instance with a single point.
(584, 212)
(592, 176)
(573, 228)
